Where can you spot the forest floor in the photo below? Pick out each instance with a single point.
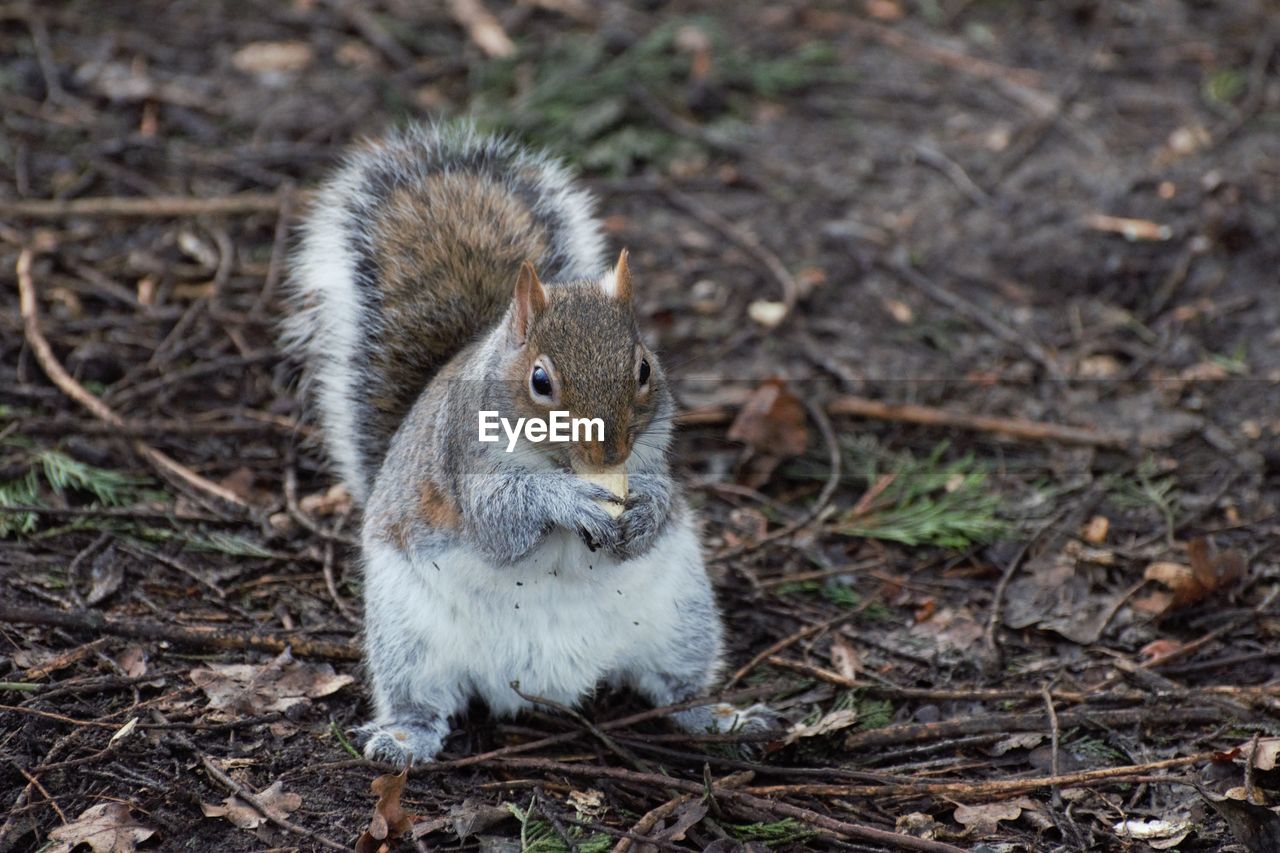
(973, 310)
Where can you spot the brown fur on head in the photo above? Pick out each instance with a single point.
(584, 335)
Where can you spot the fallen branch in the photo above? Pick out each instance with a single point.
(883, 837)
(199, 636)
(171, 205)
(911, 413)
(66, 384)
(1032, 721)
(987, 790)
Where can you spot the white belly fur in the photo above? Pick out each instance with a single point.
(559, 622)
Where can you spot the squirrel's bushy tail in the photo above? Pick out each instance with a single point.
(407, 254)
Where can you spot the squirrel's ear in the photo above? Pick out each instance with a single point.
(530, 299)
(618, 283)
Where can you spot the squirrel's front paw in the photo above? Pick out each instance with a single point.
(638, 526)
(400, 744)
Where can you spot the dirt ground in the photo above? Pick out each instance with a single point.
(973, 309)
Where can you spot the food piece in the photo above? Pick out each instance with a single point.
(614, 479)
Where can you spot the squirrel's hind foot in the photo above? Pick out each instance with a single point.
(401, 743)
(722, 718)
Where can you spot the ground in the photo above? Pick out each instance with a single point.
(972, 310)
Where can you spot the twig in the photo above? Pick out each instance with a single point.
(253, 799)
(651, 818)
(984, 318)
(990, 640)
(911, 413)
(988, 790)
(161, 206)
(748, 243)
(73, 389)
(482, 28)
(837, 827)
(1018, 428)
(901, 733)
(596, 732)
(1054, 733)
(200, 636)
(785, 642)
(819, 417)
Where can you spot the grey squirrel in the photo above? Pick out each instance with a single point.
(418, 302)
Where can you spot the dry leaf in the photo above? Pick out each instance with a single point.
(1158, 834)
(1189, 584)
(1095, 532)
(335, 501)
(266, 58)
(766, 313)
(1158, 649)
(589, 805)
(830, 722)
(389, 820)
(246, 816)
(473, 816)
(274, 686)
(845, 658)
(984, 819)
(773, 424)
(1023, 740)
(687, 816)
(106, 828)
(917, 825)
(133, 660)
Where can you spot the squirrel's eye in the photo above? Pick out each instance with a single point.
(539, 381)
(644, 372)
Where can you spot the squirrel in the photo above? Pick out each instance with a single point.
(443, 273)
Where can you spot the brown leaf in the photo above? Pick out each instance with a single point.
(772, 421)
(687, 815)
(845, 658)
(773, 425)
(389, 820)
(106, 828)
(1158, 649)
(1191, 584)
(264, 58)
(1214, 571)
(246, 816)
(1095, 532)
(274, 686)
(473, 816)
(828, 723)
(983, 819)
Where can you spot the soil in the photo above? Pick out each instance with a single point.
(1062, 214)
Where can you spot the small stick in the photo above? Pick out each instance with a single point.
(748, 243)
(650, 819)
(201, 636)
(482, 28)
(1054, 733)
(160, 206)
(957, 303)
(785, 642)
(911, 413)
(987, 790)
(253, 799)
(608, 742)
(58, 375)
